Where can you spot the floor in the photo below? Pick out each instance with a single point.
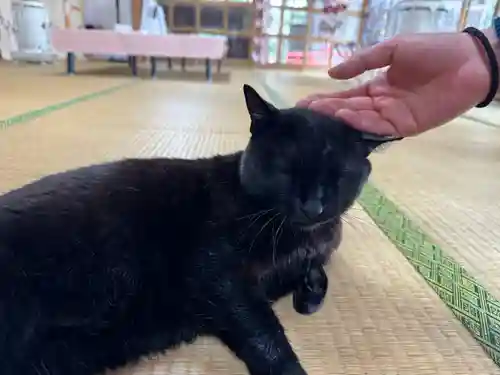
(381, 316)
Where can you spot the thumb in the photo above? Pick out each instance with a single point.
(374, 57)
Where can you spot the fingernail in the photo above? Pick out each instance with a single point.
(335, 69)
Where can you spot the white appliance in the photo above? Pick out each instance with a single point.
(32, 22)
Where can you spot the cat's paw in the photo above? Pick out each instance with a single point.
(310, 294)
(306, 305)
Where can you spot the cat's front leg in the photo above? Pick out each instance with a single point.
(311, 291)
(246, 323)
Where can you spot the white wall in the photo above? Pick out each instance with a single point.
(102, 13)
(126, 12)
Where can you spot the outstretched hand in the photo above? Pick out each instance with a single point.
(432, 78)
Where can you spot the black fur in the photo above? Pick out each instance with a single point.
(104, 264)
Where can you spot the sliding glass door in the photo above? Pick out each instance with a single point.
(298, 33)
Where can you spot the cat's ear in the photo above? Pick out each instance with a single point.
(376, 143)
(258, 108)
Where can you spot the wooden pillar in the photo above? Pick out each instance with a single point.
(71, 7)
(364, 18)
(136, 14)
(464, 14)
(258, 39)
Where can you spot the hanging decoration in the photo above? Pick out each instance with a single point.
(333, 17)
(335, 6)
(334, 13)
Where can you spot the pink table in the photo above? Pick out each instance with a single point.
(136, 44)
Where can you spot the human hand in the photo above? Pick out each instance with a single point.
(432, 78)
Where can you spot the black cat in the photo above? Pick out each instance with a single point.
(104, 264)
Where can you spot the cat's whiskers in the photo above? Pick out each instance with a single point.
(281, 228)
(346, 221)
(259, 216)
(43, 367)
(255, 217)
(350, 219)
(258, 213)
(273, 241)
(354, 208)
(261, 229)
(276, 237)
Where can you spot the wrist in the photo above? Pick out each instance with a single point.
(492, 35)
(494, 41)
(484, 69)
(492, 38)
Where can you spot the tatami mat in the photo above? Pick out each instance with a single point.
(450, 186)
(380, 316)
(28, 87)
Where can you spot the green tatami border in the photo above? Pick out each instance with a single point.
(36, 113)
(476, 308)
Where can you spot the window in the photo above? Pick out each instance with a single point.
(317, 54)
(276, 3)
(240, 18)
(296, 3)
(291, 32)
(212, 17)
(184, 16)
(292, 51)
(294, 22)
(272, 21)
(269, 50)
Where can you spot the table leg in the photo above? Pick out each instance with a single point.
(133, 65)
(219, 65)
(153, 66)
(169, 62)
(183, 64)
(70, 61)
(208, 69)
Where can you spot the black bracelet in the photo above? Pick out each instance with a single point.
(492, 59)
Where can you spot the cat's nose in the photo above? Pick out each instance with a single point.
(312, 208)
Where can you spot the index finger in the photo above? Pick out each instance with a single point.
(355, 91)
(377, 56)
